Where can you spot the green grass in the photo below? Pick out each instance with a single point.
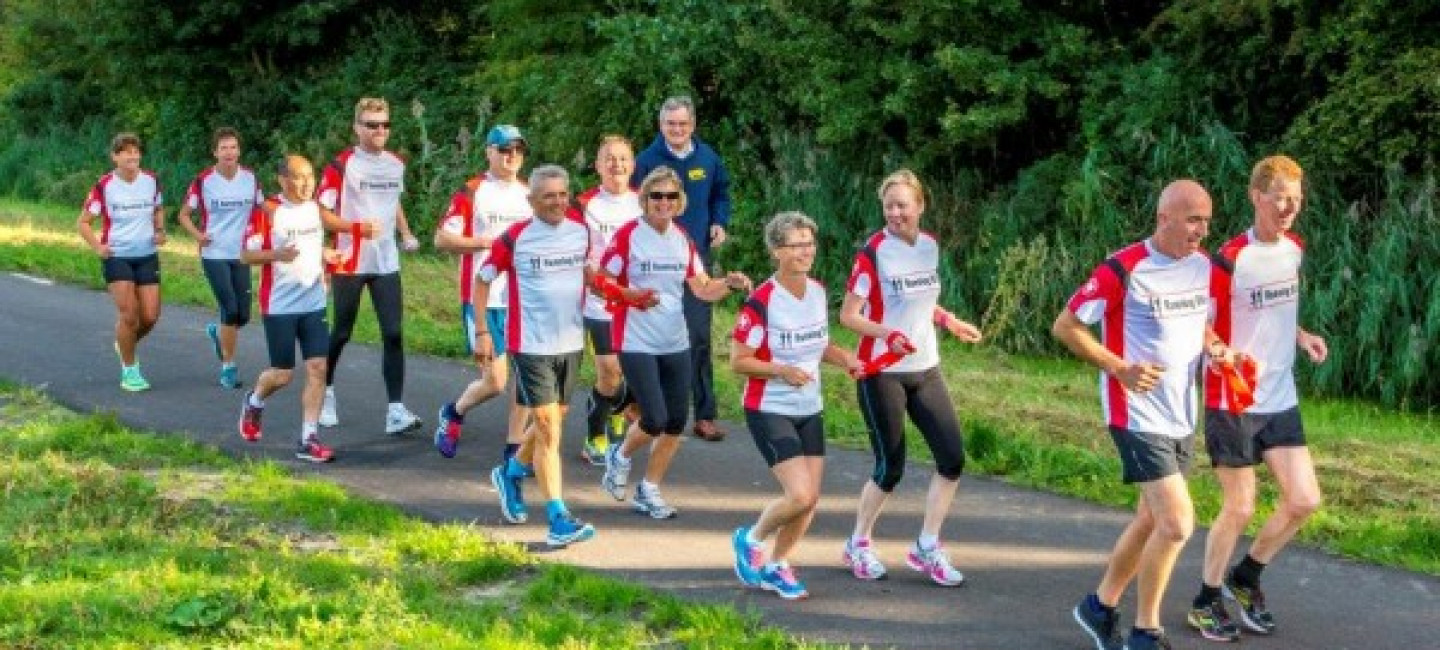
(1034, 422)
(123, 539)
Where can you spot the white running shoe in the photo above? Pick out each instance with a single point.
(934, 563)
(327, 409)
(863, 562)
(400, 421)
(648, 501)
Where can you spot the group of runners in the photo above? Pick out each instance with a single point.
(541, 275)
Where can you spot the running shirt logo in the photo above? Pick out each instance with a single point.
(914, 283)
(381, 185)
(218, 205)
(805, 337)
(555, 262)
(138, 206)
(1274, 294)
(660, 267)
(1180, 304)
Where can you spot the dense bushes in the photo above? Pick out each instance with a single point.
(1044, 132)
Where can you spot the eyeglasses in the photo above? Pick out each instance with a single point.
(505, 151)
(799, 245)
(376, 125)
(669, 196)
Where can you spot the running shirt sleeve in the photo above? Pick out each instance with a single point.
(327, 193)
(257, 233)
(192, 196)
(862, 274)
(95, 200)
(1102, 294)
(457, 216)
(749, 325)
(502, 254)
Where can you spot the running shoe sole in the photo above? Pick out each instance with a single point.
(914, 563)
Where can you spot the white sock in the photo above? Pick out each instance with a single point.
(857, 541)
(255, 401)
(928, 542)
(397, 408)
(227, 365)
(648, 486)
(750, 536)
(309, 429)
(776, 566)
(330, 392)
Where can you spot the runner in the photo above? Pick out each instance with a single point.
(132, 227)
(363, 184)
(1153, 301)
(1258, 293)
(648, 264)
(478, 214)
(892, 304)
(225, 195)
(544, 262)
(781, 336)
(606, 207)
(286, 238)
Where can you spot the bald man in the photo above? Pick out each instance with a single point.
(1153, 303)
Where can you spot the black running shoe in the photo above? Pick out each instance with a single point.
(1250, 602)
(1103, 628)
(1213, 622)
(1141, 640)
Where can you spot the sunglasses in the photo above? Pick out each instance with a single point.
(505, 151)
(670, 196)
(376, 126)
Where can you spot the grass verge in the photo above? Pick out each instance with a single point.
(1034, 422)
(122, 539)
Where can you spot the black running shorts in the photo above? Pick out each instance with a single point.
(1241, 440)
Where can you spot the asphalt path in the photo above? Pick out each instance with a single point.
(1027, 555)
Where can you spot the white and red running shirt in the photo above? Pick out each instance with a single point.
(545, 268)
(1257, 312)
(900, 283)
(640, 256)
(360, 186)
(297, 286)
(605, 213)
(225, 205)
(127, 212)
(1151, 308)
(789, 330)
(485, 207)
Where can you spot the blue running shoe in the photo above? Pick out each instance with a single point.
(749, 558)
(512, 500)
(212, 330)
(447, 434)
(229, 377)
(781, 580)
(566, 530)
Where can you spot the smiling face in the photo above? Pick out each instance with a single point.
(663, 201)
(550, 198)
(298, 181)
(1276, 207)
(615, 163)
(796, 254)
(127, 161)
(677, 125)
(903, 206)
(1183, 218)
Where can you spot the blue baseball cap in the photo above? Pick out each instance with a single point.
(503, 135)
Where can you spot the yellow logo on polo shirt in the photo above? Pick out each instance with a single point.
(697, 174)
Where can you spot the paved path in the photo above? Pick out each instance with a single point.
(1028, 555)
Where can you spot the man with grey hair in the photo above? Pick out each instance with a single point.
(707, 215)
(544, 261)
